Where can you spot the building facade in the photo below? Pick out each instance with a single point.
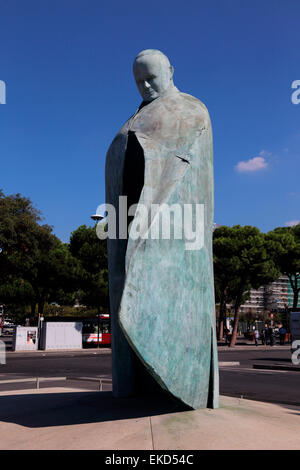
(276, 296)
(291, 294)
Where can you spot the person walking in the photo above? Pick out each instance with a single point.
(263, 336)
(226, 334)
(267, 337)
(271, 335)
(256, 336)
(282, 333)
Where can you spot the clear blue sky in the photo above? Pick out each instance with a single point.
(67, 67)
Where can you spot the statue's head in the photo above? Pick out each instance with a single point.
(153, 74)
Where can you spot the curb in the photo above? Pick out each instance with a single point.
(250, 347)
(228, 363)
(42, 353)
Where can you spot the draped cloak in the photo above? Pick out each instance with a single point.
(162, 294)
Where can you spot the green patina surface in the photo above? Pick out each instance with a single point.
(161, 294)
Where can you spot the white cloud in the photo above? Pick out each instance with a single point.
(264, 153)
(291, 223)
(251, 165)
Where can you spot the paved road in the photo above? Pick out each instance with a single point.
(260, 355)
(270, 386)
(264, 385)
(86, 363)
(273, 386)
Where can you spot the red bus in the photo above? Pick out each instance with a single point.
(96, 331)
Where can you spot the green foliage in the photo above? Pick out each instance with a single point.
(18, 219)
(67, 310)
(285, 243)
(35, 266)
(54, 275)
(91, 252)
(241, 261)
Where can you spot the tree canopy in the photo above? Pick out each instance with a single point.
(242, 260)
(91, 252)
(286, 253)
(35, 266)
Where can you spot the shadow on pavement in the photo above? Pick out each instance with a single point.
(69, 408)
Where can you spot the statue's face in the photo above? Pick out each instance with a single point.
(153, 76)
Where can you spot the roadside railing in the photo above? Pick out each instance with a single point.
(38, 380)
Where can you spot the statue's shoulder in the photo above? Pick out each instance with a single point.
(193, 104)
(193, 110)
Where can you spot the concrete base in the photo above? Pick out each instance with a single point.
(61, 418)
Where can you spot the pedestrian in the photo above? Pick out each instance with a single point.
(226, 334)
(271, 336)
(256, 336)
(282, 333)
(267, 338)
(263, 336)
